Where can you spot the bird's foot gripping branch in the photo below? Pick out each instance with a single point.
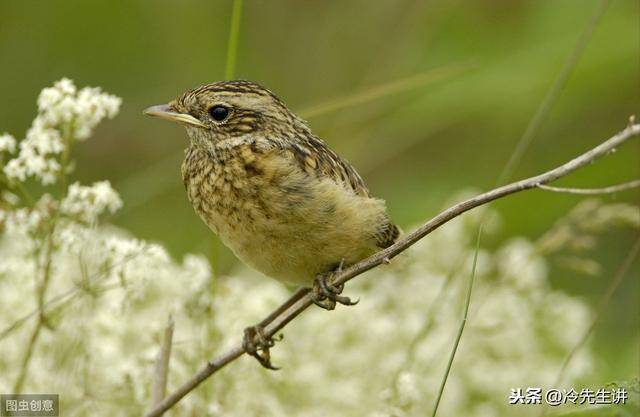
(302, 300)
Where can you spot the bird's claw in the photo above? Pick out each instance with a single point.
(326, 295)
(257, 344)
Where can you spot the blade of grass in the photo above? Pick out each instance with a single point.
(131, 186)
(383, 90)
(378, 151)
(531, 130)
(602, 305)
(234, 33)
(549, 99)
(159, 171)
(553, 94)
(521, 146)
(412, 348)
(164, 166)
(463, 322)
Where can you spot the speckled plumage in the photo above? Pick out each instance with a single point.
(284, 202)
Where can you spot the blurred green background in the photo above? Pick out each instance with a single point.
(476, 72)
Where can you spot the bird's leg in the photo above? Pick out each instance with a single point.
(325, 294)
(256, 343)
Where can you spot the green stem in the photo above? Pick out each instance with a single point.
(17, 386)
(67, 139)
(25, 193)
(602, 306)
(42, 321)
(427, 326)
(462, 324)
(553, 93)
(234, 32)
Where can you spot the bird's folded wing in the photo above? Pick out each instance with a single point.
(315, 158)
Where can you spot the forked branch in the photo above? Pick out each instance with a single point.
(385, 255)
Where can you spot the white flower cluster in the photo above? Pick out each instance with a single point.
(7, 143)
(88, 203)
(78, 281)
(106, 293)
(111, 294)
(387, 355)
(102, 298)
(63, 104)
(64, 115)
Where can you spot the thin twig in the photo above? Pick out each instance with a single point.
(62, 298)
(42, 320)
(593, 191)
(24, 367)
(532, 128)
(454, 211)
(398, 247)
(463, 322)
(159, 388)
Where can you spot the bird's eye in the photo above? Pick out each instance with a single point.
(219, 113)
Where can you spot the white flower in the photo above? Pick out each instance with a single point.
(519, 264)
(408, 389)
(122, 289)
(91, 107)
(65, 114)
(109, 294)
(51, 96)
(198, 268)
(9, 197)
(7, 143)
(89, 202)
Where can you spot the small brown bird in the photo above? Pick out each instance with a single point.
(277, 196)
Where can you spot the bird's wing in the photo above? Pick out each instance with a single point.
(387, 234)
(315, 158)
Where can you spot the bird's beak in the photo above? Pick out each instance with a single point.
(165, 111)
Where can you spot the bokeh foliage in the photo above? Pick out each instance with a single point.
(415, 149)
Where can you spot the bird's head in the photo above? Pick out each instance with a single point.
(229, 109)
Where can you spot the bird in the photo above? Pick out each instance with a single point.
(284, 202)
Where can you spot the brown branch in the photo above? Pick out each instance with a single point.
(593, 191)
(385, 255)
